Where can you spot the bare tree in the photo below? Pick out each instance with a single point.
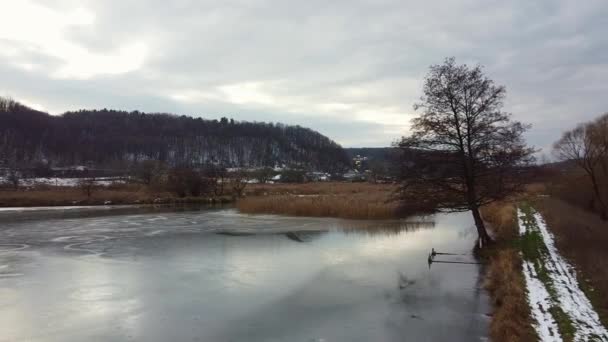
(7, 104)
(187, 181)
(87, 185)
(601, 137)
(216, 176)
(238, 182)
(14, 174)
(148, 170)
(264, 174)
(13, 177)
(464, 151)
(587, 146)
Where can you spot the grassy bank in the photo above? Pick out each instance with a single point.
(511, 320)
(536, 258)
(581, 236)
(343, 200)
(559, 304)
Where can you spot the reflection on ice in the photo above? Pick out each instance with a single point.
(393, 227)
(221, 276)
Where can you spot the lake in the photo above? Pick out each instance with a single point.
(217, 275)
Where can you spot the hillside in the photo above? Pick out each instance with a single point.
(119, 139)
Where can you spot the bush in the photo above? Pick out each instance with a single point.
(293, 176)
(186, 181)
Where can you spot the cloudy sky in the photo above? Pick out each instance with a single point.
(349, 69)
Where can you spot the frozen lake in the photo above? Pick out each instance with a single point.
(217, 275)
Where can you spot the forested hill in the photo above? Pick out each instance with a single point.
(119, 138)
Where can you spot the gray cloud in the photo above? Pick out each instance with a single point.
(350, 69)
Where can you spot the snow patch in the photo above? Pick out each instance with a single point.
(540, 302)
(571, 298)
(520, 222)
(66, 182)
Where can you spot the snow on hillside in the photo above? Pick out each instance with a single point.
(67, 182)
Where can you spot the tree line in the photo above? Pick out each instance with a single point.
(120, 139)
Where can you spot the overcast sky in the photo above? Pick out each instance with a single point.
(349, 69)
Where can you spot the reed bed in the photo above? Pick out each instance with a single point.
(342, 200)
(318, 188)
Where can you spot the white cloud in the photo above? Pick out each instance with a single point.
(350, 69)
(43, 29)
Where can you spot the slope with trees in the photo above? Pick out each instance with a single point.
(121, 139)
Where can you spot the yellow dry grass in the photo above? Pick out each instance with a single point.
(511, 320)
(67, 196)
(343, 200)
(501, 217)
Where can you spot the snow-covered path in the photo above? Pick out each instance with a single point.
(557, 289)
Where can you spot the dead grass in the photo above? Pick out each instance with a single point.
(534, 189)
(574, 187)
(502, 220)
(343, 200)
(582, 237)
(504, 279)
(320, 188)
(69, 196)
(115, 194)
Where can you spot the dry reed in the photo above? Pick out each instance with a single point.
(504, 279)
(54, 196)
(343, 200)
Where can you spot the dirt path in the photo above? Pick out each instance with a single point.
(561, 309)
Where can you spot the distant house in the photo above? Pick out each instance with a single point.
(359, 161)
(318, 176)
(354, 176)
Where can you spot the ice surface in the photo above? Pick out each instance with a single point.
(193, 276)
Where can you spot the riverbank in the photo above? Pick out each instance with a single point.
(115, 195)
(559, 305)
(511, 319)
(581, 237)
(546, 274)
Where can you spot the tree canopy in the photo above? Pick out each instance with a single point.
(463, 151)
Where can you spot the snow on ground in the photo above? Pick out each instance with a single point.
(569, 296)
(540, 302)
(520, 222)
(68, 182)
(538, 298)
(572, 299)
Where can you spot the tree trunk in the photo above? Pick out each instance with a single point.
(598, 196)
(484, 237)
